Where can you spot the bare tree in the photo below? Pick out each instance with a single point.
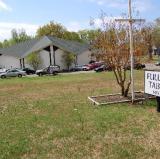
(112, 46)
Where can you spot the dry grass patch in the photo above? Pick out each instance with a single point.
(50, 117)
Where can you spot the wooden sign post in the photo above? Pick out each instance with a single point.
(130, 20)
(152, 85)
(158, 104)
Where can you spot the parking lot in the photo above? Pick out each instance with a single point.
(48, 73)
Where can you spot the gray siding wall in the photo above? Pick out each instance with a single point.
(13, 62)
(46, 59)
(9, 62)
(84, 58)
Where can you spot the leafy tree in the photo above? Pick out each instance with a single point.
(1, 45)
(53, 29)
(34, 60)
(6, 43)
(72, 36)
(68, 59)
(88, 35)
(57, 30)
(156, 33)
(112, 46)
(16, 37)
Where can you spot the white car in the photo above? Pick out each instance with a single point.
(51, 70)
(2, 70)
(13, 73)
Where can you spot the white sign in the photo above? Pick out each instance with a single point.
(152, 83)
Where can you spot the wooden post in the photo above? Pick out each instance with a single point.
(53, 53)
(158, 104)
(131, 21)
(131, 51)
(76, 60)
(54, 57)
(23, 63)
(50, 58)
(20, 60)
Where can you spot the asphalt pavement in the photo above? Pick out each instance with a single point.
(152, 66)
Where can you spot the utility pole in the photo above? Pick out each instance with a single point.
(131, 21)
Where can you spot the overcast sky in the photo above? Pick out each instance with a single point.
(74, 14)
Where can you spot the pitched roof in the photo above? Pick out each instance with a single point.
(23, 49)
(70, 46)
(19, 49)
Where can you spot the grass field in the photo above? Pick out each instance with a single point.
(51, 118)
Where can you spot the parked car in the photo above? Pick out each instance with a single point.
(77, 68)
(29, 71)
(13, 73)
(96, 65)
(86, 67)
(2, 70)
(51, 70)
(137, 66)
(92, 66)
(103, 68)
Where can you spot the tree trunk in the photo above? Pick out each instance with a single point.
(68, 66)
(150, 53)
(125, 91)
(122, 90)
(121, 80)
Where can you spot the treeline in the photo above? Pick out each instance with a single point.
(58, 30)
(52, 29)
(17, 36)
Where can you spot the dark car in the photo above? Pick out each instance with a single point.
(137, 66)
(29, 71)
(51, 70)
(103, 68)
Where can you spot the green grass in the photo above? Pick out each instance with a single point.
(50, 117)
